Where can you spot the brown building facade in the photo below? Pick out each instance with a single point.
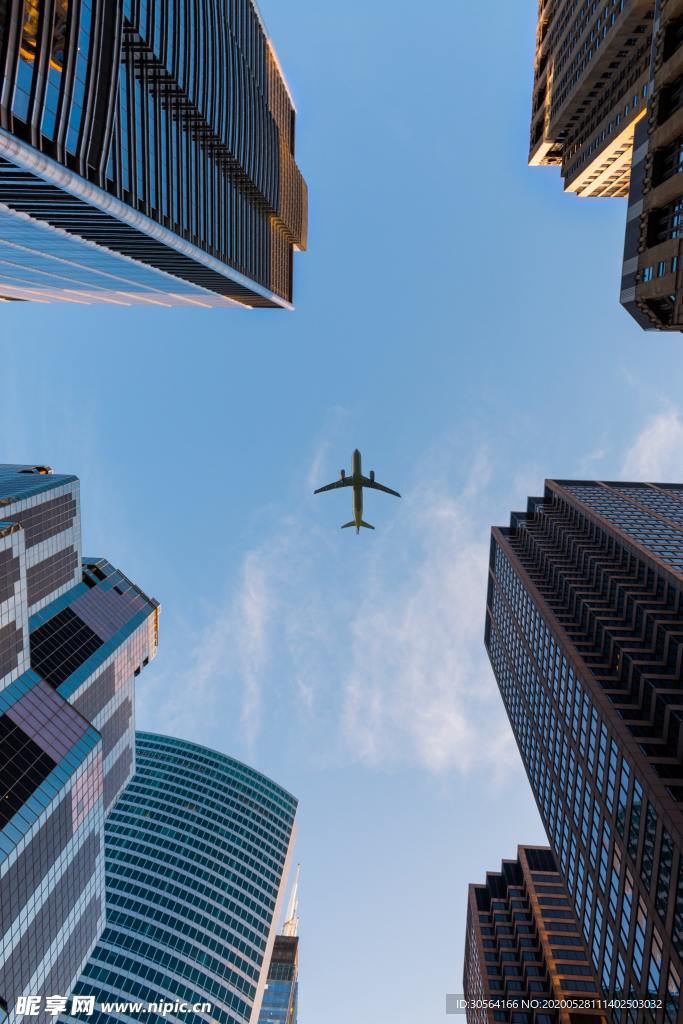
(523, 945)
(591, 76)
(652, 287)
(607, 108)
(584, 630)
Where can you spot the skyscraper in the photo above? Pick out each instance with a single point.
(281, 997)
(591, 75)
(652, 287)
(73, 635)
(197, 853)
(608, 108)
(146, 155)
(584, 626)
(523, 942)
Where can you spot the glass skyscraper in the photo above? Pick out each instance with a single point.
(281, 998)
(197, 853)
(584, 629)
(74, 633)
(146, 154)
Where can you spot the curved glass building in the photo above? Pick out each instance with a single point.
(196, 852)
(146, 154)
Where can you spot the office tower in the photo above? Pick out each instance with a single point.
(651, 282)
(197, 853)
(591, 75)
(146, 155)
(281, 997)
(608, 108)
(74, 633)
(523, 943)
(584, 626)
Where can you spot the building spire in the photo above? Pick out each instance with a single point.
(291, 925)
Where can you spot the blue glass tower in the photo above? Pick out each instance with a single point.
(196, 851)
(280, 1001)
(146, 155)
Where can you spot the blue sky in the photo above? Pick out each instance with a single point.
(458, 320)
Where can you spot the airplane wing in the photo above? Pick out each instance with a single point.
(345, 482)
(379, 487)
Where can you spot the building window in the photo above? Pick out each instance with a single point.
(648, 845)
(673, 995)
(666, 852)
(639, 940)
(678, 912)
(655, 971)
(665, 223)
(670, 99)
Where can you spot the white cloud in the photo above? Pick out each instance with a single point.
(368, 648)
(250, 622)
(657, 453)
(419, 688)
(222, 680)
(371, 648)
(588, 462)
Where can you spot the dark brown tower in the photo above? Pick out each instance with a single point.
(584, 629)
(523, 943)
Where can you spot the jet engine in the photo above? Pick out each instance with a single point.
(372, 475)
(343, 473)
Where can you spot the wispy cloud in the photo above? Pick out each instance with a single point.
(657, 452)
(419, 688)
(589, 461)
(369, 651)
(220, 679)
(250, 621)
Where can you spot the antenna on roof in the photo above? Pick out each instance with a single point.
(291, 926)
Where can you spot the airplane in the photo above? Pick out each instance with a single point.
(358, 482)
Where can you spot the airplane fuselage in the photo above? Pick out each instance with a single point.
(357, 490)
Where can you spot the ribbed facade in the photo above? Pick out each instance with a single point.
(523, 943)
(157, 134)
(584, 628)
(74, 633)
(197, 851)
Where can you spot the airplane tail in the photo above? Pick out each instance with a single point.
(368, 526)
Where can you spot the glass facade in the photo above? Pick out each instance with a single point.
(163, 134)
(583, 630)
(197, 851)
(73, 634)
(280, 1000)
